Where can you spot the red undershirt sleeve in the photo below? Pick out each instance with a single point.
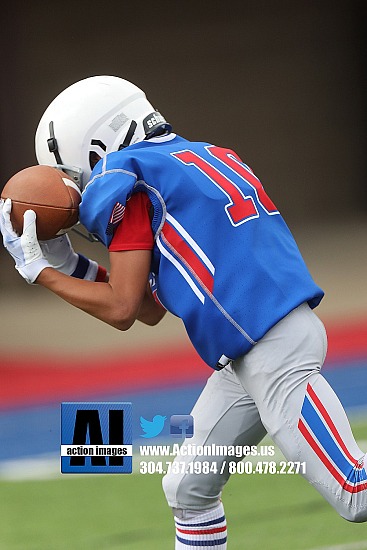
(135, 230)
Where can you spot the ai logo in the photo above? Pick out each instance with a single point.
(96, 438)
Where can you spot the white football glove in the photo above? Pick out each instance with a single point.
(25, 250)
(60, 254)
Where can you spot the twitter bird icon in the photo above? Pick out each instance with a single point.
(154, 427)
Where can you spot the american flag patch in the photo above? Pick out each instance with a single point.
(116, 217)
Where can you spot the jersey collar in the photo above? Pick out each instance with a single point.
(161, 139)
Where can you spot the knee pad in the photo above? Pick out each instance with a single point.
(191, 491)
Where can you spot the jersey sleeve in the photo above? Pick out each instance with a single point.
(135, 231)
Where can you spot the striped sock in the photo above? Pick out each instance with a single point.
(206, 530)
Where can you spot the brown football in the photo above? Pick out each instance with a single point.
(51, 193)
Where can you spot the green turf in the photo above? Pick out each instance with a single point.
(126, 511)
(268, 512)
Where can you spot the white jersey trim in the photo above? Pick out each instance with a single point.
(191, 242)
(181, 269)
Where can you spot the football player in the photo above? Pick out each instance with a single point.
(191, 230)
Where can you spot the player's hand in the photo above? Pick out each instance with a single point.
(25, 250)
(60, 254)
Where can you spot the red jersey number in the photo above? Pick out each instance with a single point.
(240, 207)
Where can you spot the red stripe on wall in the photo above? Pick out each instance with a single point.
(45, 379)
(29, 379)
(347, 340)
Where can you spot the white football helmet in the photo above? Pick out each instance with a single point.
(95, 116)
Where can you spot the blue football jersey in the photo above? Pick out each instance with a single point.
(224, 260)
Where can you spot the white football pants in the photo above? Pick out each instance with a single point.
(276, 388)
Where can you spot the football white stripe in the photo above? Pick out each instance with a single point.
(70, 183)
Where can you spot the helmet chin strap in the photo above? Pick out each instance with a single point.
(129, 135)
(73, 172)
(89, 236)
(53, 148)
(52, 144)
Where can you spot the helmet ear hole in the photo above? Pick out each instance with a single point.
(93, 159)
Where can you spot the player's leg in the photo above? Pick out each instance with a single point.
(302, 413)
(224, 415)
